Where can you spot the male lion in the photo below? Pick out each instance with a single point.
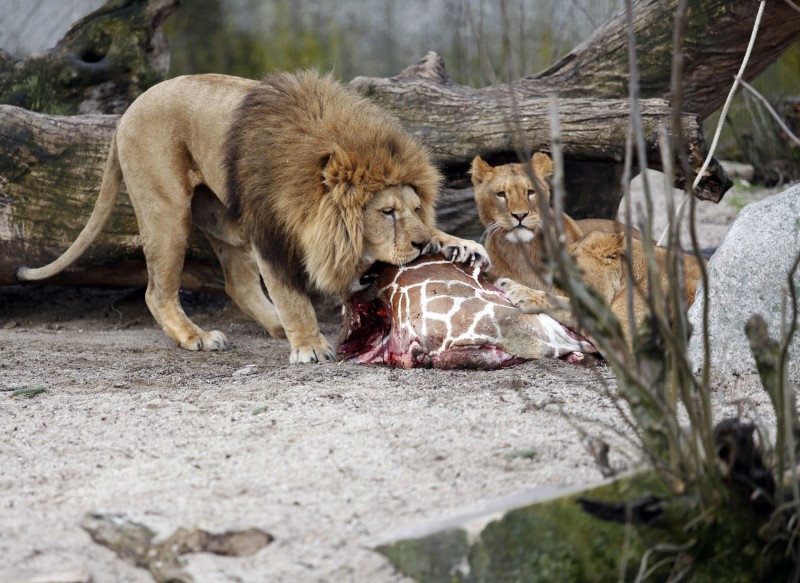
(293, 179)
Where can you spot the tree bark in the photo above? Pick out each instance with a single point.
(458, 122)
(716, 34)
(50, 171)
(51, 167)
(715, 38)
(102, 64)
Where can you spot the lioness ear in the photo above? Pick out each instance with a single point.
(611, 246)
(479, 170)
(542, 165)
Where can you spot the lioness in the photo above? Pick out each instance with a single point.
(600, 257)
(293, 179)
(509, 208)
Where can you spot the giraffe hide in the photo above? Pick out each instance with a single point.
(435, 313)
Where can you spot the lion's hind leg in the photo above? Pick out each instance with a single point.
(243, 285)
(164, 215)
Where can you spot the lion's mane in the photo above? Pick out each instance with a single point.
(305, 155)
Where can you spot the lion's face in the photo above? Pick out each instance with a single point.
(601, 258)
(393, 229)
(507, 200)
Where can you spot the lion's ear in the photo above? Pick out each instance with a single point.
(611, 246)
(480, 170)
(328, 178)
(542, 165)
(343, 180)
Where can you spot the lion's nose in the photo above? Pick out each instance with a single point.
(520, 216)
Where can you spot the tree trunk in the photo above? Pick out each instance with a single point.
(50, 171)
(458, 122)
(51, 167)
(716, 34)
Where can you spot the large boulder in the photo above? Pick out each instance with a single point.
(748, 274)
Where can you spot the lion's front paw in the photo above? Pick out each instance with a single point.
(466, 251)
(321, 352)
(207, 341)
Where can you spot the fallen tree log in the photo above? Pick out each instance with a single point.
(51, 166)
(104, 61)
(50, 170)
(456, 122)
(715, 40)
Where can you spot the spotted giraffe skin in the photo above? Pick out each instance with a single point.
(433, 312)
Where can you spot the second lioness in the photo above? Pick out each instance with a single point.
(508, 205)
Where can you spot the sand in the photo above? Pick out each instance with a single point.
(327, 458)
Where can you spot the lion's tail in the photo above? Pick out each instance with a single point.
(109, 189)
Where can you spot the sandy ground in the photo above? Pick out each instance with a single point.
(326, 458)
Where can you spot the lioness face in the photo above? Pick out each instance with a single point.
(507, 199)
(600, 258)
(393, 230)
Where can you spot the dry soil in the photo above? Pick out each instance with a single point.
(327, 458)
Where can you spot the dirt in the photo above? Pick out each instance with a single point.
(326, 458)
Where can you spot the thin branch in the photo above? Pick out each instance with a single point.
(793, 5)
(775, 115)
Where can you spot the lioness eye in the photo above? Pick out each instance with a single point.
(500, 194)
(388, 212)
(531, 192)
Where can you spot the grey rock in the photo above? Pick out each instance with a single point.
(748, 274)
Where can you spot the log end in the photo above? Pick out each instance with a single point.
(430, 68)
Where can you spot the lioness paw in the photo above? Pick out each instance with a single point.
(323, 352)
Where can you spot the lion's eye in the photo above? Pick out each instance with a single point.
(531, 192)
(388, 212)
(500, 194)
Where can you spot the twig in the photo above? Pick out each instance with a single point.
(775, 115)
(793, 5)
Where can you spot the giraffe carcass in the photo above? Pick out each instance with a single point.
(432, 312)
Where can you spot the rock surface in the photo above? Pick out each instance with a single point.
(748, 274)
